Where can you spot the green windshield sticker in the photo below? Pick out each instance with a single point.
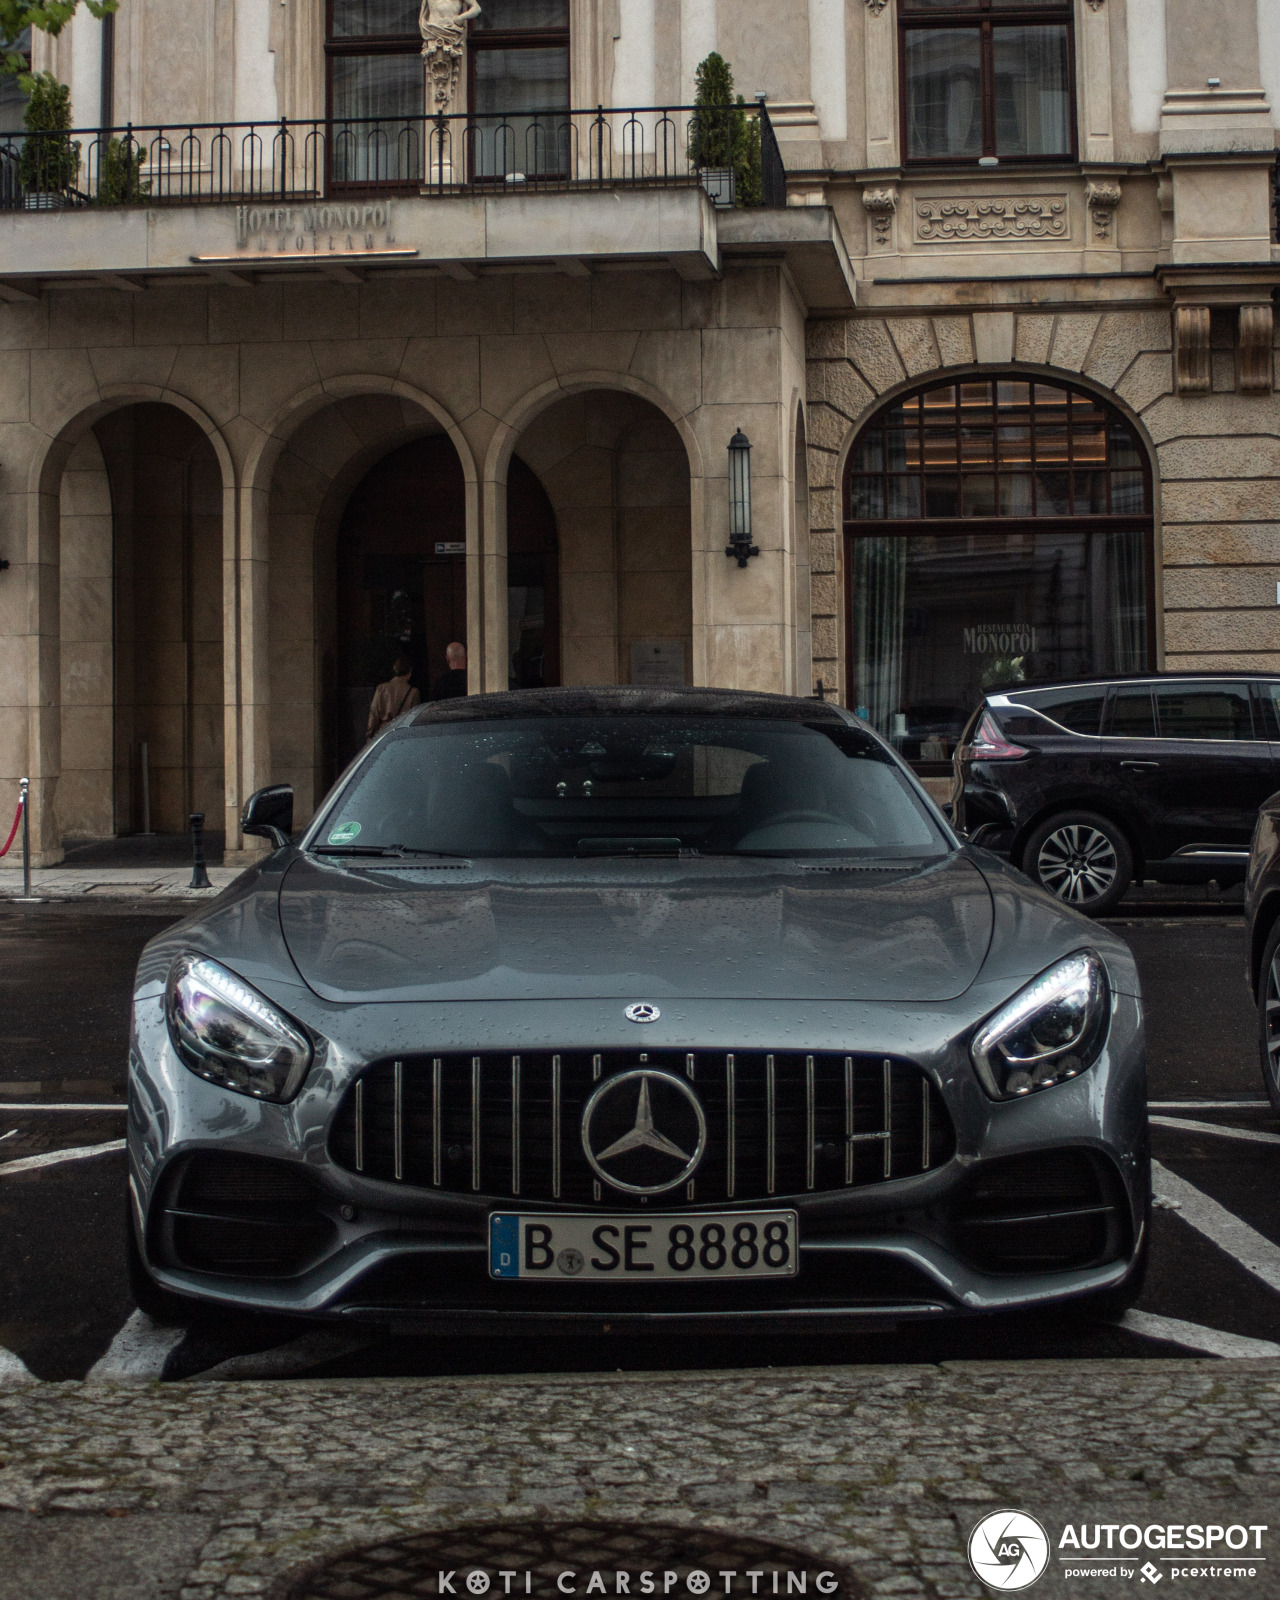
(344, 833)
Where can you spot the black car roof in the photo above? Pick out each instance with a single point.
(626, 702)
(1123, 677)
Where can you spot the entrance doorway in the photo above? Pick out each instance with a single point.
(402, 581)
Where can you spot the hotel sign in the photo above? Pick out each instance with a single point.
(361, 229)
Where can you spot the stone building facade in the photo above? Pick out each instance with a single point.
(1002, 343)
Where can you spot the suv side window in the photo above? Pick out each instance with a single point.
(1205, 710)
(1268, 693)
(1078, 709)
(1130, 714)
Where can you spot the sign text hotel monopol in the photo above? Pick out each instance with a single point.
(319, 228)
(696, 1582)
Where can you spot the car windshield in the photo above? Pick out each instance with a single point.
(629, 785)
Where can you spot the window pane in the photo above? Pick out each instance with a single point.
(979, 497)
(903, 448)
(1131, 715)
(939, 447)
(1015, 495)
(1123, 446)
(866, 498)
(904, 497)
(512, 81)
(1128, 492)
(869, 456)
(938, 620)
(522, 14)
(389, 88)
(358, 18)
(944, 92)
(1091, 493)
(1053, 494)
(1031, 91)
(941, 497)
(1077, 709)
(1204, 711)
(1015, 446)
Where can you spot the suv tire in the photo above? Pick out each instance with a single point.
(1269, 1025)
(1082, 859)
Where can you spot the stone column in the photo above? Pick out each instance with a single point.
(488, 668)
(39, 576)
(880, 64)
(245, 658)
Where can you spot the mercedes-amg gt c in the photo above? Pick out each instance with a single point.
(603, 1009)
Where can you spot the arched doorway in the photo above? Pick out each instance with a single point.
(996, 530)
(402, 579)
(140, 629)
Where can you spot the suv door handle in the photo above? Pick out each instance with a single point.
(1141, 766)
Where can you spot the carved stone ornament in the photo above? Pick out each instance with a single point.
(1026, 216)
(1192, 361)
(880, 205)
(1095, 5)
(444, 42)
(1102, 200)
(876, 6)
(1257, 332)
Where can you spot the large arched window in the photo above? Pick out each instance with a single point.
(997, 530)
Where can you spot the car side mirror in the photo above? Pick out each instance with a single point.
(268, 813)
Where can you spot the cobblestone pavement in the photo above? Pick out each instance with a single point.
(207, 1490)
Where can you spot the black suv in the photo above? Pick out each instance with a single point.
(1090, 784)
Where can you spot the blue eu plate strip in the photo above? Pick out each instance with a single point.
(504, 1245)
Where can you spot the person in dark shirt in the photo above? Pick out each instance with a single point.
(453, 681)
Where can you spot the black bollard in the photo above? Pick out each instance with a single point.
(199, 876)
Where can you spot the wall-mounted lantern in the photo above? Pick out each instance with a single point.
(740, 547)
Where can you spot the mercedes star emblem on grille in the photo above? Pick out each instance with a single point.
(644, 1132)
(642, 1011)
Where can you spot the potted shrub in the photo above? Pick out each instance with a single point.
(120, 179)
(724, 142)
(50, 161)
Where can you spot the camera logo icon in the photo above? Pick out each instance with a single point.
(1008, 1550)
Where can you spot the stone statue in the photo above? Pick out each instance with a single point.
(444, 38)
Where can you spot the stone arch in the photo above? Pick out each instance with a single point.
(83, 607)
(858, 366)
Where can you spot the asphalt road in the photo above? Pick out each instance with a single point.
(64, 1305)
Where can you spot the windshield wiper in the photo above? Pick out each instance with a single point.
(400, 850)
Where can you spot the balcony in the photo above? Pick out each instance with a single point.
(730, 151)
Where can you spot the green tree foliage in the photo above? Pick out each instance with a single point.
(50, 162)
(120, 174)
(721, 134)
(49, 16)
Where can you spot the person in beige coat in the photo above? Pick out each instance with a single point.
(392, 697)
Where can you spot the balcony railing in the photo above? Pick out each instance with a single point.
(729, 150)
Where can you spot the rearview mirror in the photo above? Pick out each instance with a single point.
(268, 813)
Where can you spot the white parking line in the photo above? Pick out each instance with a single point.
(48, 1105)
(1253, 1135)
(52, 1158)
(1232, 1346)
(1207, 1105)
(13, 1369)
(1254, 1252)
(12, 1133)
(138, 1352)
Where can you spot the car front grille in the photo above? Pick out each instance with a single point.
(777, 1123)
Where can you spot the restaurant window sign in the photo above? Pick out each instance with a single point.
(997, 531)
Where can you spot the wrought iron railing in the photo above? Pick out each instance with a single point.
(730, 150)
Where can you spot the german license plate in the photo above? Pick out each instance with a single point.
(567, 1247)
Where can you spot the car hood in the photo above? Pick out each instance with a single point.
(636, 930)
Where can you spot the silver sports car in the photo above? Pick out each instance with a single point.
(595, 1009)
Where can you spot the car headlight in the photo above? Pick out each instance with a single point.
(1050, 1031)
(228, 1033)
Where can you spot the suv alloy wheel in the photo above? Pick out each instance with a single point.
(1269, 1017)
(1082, 858)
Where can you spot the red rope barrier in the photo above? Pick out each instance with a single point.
(13, 832)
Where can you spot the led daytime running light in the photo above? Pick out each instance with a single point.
(227, 1033)
(1049, 1032)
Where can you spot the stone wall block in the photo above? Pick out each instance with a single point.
(828, 430)
(1256, 457)
(826, 598)
(1236, 500)
(87, 672)
(335, 358)
(823, 465)
(591, 352)
(823, 545)
(1072, 337)
(1245, 661)
(1116, 347)
(87, 318)
(1149, 376)
(1221, 631)
(1222, 588)
(826, 638)
(750, 297)
(874, 355)
(623, 302)
(739, 365)
(376, 417)
(511, 367)
(487, 306)
(322, 311)
(179, 315)
(552, 303)
(826, 339)
(1225, 543)
(1203, 415)
(671, 363)
(24, 324)
(847, 391)
(1033, 338)
(398, 308)
(148, 366)
(15, 386)
(955, 340)
(824, 509)
(62, 383)
(446, 369)
(271, 375)
(913, 339)
(246, 316)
